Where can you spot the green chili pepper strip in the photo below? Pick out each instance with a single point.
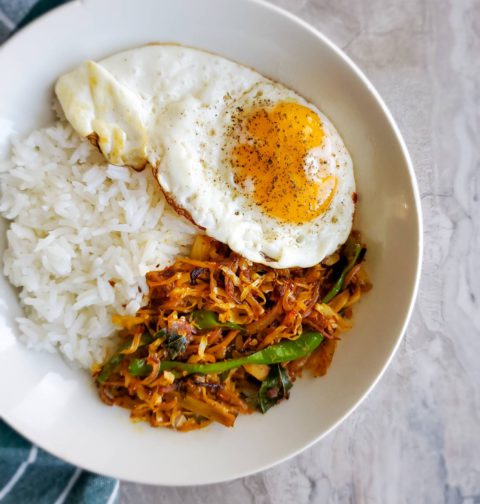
(139, 367)
(338, 286)
(111, 365)
(281, 352)
(204, 319)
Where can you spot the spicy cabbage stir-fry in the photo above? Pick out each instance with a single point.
(220, 335)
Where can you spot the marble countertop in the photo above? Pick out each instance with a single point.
(416, 439)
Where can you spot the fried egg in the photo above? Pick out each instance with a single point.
(246, 159)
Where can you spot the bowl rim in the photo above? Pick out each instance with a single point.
(419, 252)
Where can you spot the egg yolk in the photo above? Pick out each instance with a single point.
(271, 163)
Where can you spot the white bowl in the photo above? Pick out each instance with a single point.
(57, 407)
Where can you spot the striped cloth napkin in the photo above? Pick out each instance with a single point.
(28, 475)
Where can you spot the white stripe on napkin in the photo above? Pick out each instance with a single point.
(6, 21)
(61, 498)
(32, 456)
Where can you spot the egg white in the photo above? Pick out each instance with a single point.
(172, 107)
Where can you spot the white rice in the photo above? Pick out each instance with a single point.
(82, 236)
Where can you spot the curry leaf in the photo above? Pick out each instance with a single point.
(175, 344)
(274, 388)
